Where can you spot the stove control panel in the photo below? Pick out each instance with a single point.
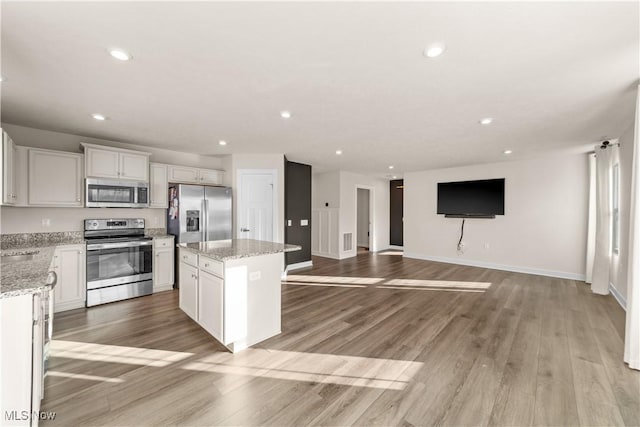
(113, 224)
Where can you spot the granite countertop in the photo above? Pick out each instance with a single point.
(157, 233)
(40, 240)
(28, 276)
(161, 236)
(223, 250)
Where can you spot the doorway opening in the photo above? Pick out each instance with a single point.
(363, 220)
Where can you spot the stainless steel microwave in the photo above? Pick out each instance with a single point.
(104, 193)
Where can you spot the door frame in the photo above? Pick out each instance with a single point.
(372, 218)
(240, 173)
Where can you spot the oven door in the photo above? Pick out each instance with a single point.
(102, 193)
(110, 264)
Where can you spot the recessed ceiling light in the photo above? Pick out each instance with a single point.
(486, 121)
(391, 167)
(434, 50)
(507, 151)
(285, 114)
(99, 117)
(221, 142)
(338, 152)
(120, 54)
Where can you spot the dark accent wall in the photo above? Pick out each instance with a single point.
(396, 195)
(297, 207)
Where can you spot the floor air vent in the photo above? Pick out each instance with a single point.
(347, 241)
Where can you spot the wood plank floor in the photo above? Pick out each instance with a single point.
(373, 340)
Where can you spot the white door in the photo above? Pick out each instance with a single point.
(256, 205)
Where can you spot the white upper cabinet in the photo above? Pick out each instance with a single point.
(21, 175)
(8, 170)
(187, 175)
(102, 163)
(211, 177)
(158, 181)
(134, 166)
(183, 174)
(115, 163)
(55, 178)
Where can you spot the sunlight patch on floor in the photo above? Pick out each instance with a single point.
(115, 353)
(445, 285)
(408, 288)
(84, 377)
(400, 253)
(353, 371)
(333, 285)
(334, 279)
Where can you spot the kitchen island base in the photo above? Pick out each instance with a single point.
(236, 299)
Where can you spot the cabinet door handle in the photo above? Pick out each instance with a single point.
(206, 265)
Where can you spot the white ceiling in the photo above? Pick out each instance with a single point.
(555, 76)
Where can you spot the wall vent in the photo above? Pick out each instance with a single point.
(347, 241)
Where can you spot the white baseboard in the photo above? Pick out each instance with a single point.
(69, 305)
(162, 288)
(618, 296)
(504, 267)
(299, 265)
(325, 255)
(400, 248)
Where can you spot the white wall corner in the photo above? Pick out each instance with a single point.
(618, 296)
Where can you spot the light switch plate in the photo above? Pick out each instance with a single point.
(304, 222)
(289, 223)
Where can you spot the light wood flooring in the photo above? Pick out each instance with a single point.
(373, 340)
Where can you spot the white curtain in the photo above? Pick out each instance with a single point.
(632, 331)
(602, 258)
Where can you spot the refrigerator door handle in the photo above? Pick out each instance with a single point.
(205, 219)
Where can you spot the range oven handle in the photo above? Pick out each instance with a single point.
(98, 246)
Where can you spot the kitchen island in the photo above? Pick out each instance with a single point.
(232, 288)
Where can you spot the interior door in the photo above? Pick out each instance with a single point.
(255, 206)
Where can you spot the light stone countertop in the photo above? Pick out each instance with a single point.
(25, 277)
(30, 276)
(223, 250)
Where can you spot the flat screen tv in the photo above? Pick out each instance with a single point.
(484, 198)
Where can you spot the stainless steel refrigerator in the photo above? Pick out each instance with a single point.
(199, 213)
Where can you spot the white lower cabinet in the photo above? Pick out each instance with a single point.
(163, 274)
(210, 304)
(21, 368)
(237, 301)
(69, 263)
(189, 290)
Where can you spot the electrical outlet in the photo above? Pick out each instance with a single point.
(255, 275)
(486, 246)
(46, 222)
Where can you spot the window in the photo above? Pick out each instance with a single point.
(615, 199)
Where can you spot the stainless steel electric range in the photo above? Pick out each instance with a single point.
(119, 260)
